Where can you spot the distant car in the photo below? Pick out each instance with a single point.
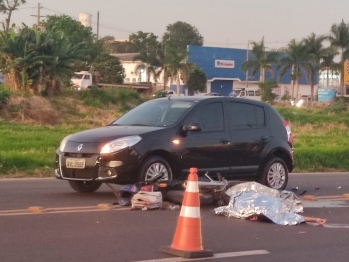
(305, 97)
(213, 94)
(161, 139)
(289, 132)
(163, 93)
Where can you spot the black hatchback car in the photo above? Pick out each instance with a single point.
(163, 138)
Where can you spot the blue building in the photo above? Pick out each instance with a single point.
(223, 70)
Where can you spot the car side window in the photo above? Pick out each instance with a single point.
(244, 116)
(210, 117)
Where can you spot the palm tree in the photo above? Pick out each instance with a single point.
(149, 52)
(262, 61)
(329, 65)
(64, 59)
(150, 62)
(339, 38)
(174, 64)
(315, 52)
(19, 51)
(294, 57)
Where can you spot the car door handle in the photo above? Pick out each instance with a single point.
(265, 139)
(224, 141)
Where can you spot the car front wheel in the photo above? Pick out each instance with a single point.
(85, 186)
(155, 169)
(275, 174)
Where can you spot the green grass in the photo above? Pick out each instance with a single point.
(321, 137)
(28, 149)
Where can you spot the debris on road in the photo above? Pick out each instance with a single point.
(252, 200)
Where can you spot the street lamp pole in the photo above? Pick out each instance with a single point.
(97, 25)
(247, 54)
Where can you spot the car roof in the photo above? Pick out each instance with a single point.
(218, 98)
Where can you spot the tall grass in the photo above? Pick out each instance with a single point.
(321, 137)
(101, 98)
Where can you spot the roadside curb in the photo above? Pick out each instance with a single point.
(36, 209)
(314, 198)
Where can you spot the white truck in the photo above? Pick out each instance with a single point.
(83, 80)
(250, 93)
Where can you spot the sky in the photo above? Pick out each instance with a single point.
(222, 23)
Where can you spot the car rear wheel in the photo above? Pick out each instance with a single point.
(155, 168)
(85, 186)
(275, 174)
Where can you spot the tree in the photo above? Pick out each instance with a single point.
(149, 52)
(175, 41)
(294, 56)
(19, 55)
(7, 7)
(110, 69)
(194, 78)
(110, 45)
(315, 52)
(180, 34)
(339, 38)
(174, 63)
(328, 64)
(262, 60)
(267, 88)
(65, 58)
(74, 32)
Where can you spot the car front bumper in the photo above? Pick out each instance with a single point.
(119, 167)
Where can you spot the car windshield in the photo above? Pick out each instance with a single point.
(235, 93)
(155, 113)
(77, 76)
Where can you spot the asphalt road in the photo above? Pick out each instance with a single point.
(71, 227)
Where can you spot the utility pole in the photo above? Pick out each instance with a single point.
(247, 54)
(97, 25)
(38, 15)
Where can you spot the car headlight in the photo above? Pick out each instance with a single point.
(119, 144)
(63, 143)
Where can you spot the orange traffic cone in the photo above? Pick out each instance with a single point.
(187, 241)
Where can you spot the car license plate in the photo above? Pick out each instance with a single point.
(75, 163)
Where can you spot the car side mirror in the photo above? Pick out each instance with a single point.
(191, 127)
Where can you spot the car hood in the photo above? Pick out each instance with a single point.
(109, 133)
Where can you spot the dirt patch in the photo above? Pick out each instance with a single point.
(31, 110)
(55, 111)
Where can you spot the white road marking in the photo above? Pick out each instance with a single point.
(60, 210)
(321, 203)
(215, 256)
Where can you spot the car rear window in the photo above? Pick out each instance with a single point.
(210, 117)
(245, 115)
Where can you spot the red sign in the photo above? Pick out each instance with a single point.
(224, 63)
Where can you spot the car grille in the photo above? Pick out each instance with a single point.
(84, 155)
(87, 173)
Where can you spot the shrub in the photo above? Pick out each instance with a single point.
(336, 107)
(4, 96)
(98, 97)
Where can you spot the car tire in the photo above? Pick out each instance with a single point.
(275, 174)
(84, 186)
(152, 167)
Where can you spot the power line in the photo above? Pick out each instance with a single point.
(131, 32)
(104, 26)
(38, 15)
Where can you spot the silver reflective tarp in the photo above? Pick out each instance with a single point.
(251, 198)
